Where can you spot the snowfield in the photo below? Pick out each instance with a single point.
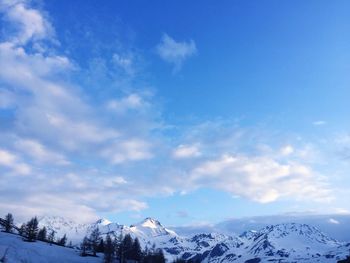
(14, 250)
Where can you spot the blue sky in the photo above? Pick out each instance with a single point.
(188, 113)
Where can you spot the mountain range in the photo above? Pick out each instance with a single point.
(283, 242)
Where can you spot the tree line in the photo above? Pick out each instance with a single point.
(119, 249)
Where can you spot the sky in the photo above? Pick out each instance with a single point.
(189, 113)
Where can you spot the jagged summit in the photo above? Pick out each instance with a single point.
(297, 230)
(103, 222)
(150, 227)
(248, 234)
(150, 222)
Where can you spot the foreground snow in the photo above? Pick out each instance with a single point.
(19, 251)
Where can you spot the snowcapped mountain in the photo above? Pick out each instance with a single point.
(334, 225)
(276, 243)
(62, 226)
(150, 228)
(299, 242)
(148, 231)
(289, 242)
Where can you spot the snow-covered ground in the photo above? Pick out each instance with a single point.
(14, 250)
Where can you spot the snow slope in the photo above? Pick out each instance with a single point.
(18, 251)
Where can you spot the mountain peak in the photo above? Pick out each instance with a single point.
(150, 227)
(151, 223)
(103, 222)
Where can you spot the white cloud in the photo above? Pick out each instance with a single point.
(319, 123)
(40, 153)
(31, 24)
(7, 158)
(42, 204)
(186, 151)
(128, 150)
(131, 102)
(11, 161)
(175, 52)
(333, 221)
(79, 132)
(124, 62)
(53, 122)
(259, 178)
(287, 150)
(114, 181)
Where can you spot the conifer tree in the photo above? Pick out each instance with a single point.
(126, 248)
(51, 237)
(42, 234)
(31, 230)
(22, 230)
(84, 247)
(94, 239)
(101, 246)
(159, 256)
(136, 250)
(108, 250)
(8, 223)
(62, 241)
(118, 246)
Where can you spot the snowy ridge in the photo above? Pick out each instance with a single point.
(150, 228)
(297, 241)
(290, 242)
(63, 226)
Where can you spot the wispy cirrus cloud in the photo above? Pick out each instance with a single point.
(186, 151)
(175, 52)
(319, 123)
(130, 102)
